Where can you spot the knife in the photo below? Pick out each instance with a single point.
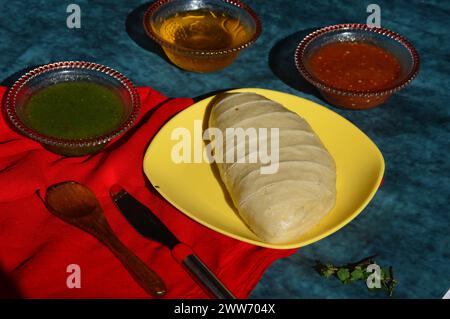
(148, 225)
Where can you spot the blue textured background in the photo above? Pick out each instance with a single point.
(407, 223)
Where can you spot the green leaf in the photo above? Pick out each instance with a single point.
(385, 273)
(325, 270)
(328, 273)
(357, 274)
(343, 275)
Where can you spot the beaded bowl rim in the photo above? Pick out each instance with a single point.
(307, 40)
(11, 104)
(155, 37)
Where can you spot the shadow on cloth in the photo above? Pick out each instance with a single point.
(8, 290)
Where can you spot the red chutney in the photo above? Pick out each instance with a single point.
(354, 66)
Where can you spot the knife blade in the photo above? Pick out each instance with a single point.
(141, 218)
(150, 226)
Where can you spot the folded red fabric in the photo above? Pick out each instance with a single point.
(36, 247)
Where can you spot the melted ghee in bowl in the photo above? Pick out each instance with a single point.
(203, 30)
(203, 40)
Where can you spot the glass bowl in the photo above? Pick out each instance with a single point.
(390, 41)
(18, 96)
(199, 43)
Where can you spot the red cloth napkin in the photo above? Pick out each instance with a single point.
(36, 247)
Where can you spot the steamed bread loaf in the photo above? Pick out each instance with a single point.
(277, 207)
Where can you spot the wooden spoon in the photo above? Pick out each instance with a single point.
(77, 205)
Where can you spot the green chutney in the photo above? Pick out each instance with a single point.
(75, 110)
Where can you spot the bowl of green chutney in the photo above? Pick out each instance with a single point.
(72, 108)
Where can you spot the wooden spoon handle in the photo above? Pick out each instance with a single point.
(142, 273)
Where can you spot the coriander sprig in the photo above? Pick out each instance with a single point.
(352, 272)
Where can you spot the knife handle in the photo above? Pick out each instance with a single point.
(142, 273)
(206, 278)
(201, 273)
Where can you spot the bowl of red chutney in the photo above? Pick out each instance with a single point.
(355, 66)
(72, 108)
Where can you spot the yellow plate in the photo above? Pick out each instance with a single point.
(194, 189)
